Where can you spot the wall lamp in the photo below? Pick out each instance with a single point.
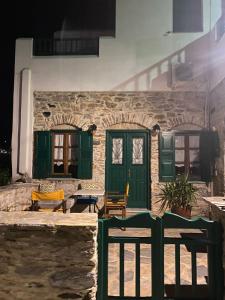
(92, 129)
(155, 130)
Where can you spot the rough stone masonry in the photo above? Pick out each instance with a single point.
(121, 110)
(47, 256)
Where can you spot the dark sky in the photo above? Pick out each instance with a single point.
(39, 19)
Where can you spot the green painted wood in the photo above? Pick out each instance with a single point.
(194, 269)
(166, 156)
(177, 268)
(100, 285)
(215, 264)
(138, 174)
(121, 270)
(137, 270)
(171, 220)
(157, 241)
(211, 269)
(218, 260)
(117, 175)
(130, 240)
(141, 220)
(188, 242)
(102, 290)
(42, 154)
(131, 298)
(85, 155)
(157, 260)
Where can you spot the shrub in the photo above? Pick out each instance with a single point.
(4, 176)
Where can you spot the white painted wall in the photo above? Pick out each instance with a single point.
(136, 59)
(140, 42)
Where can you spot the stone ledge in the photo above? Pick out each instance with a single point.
(51, 219)
(15, 186)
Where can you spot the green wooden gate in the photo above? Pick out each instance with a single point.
(211, 290)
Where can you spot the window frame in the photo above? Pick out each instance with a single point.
(186, 134)
(65, 148)
(178, 28)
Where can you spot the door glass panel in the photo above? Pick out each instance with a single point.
(117, 151)
(137, 153)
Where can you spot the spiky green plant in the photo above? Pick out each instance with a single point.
(177, 194)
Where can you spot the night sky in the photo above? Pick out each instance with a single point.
(41, 19)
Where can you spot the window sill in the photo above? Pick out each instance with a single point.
(197, 182)
(62, 179)
(190, 181)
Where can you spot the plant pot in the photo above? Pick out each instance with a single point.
(183, 212)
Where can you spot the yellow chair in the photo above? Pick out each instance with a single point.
(41, 201)
(116, 202)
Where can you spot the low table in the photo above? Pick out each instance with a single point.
(89, 197)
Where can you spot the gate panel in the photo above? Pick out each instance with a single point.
(142, 220)
(212, 241)
(158, 241)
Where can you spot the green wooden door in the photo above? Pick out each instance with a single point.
(127, 160)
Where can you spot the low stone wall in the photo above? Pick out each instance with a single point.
(16, 197)
(47, 256)
(219, 215)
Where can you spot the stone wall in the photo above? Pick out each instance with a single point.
(16, 197)
(47, 256)
(217, 119)
(121, 110)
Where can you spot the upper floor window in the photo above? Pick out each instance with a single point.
(187, 16)
(73, 46)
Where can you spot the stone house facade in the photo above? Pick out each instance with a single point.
(132, 85)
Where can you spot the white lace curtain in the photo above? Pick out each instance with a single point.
(58, 152)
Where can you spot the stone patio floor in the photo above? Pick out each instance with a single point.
(169, 264)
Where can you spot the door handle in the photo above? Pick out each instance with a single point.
(129, 173)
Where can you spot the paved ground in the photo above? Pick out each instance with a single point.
(169, 265)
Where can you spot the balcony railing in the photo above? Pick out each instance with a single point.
(50, 47)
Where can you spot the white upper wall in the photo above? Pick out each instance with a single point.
(136, 59)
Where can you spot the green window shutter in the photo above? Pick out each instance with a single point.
(205, 155)
(166, 156)
(85, 156)
(42, 154)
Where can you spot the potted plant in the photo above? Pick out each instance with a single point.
(179, 196)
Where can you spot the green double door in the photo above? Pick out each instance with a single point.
(127, 160)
